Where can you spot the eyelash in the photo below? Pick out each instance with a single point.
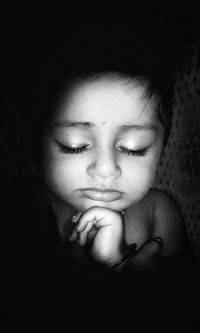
(133, 152)
(79, 150)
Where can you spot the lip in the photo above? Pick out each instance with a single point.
(101, 194)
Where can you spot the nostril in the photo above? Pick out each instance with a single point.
(104, 169)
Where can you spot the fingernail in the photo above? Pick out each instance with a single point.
(73, 218)
(158, 240)
(133, 246)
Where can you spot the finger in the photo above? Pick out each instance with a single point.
(73, 236)
(150, 249)
(91, 234)
(75, 217)
(97, 213)
(84, 234)
(101, 216)
(83, 222)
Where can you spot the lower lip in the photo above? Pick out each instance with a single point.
(102, 196)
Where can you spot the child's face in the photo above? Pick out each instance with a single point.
(104, 135)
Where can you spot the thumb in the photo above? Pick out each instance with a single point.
(151, 248)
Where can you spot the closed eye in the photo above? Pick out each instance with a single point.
(71, 150)
(132, 152)
(78, 150)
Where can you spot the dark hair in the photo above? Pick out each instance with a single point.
(95, 48)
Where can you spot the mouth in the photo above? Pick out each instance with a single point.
(101, 194)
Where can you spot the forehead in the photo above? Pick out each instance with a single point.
(106, 100)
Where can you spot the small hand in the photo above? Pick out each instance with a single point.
(103, 230)
(144, 259)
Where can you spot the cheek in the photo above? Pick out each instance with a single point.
(61, 178)
(63, 170)
(141, 172)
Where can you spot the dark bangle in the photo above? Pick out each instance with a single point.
(127, 257)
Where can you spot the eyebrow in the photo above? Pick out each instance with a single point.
(146, 126)
(67, 123)
(80, 124)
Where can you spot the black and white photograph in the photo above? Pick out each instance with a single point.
(100, 166)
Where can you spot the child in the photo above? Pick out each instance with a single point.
(101, 145)
(108, 121)
(100, 151)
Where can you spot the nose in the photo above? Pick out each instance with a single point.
(104, 165)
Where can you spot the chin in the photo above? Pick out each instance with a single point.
(116, 206)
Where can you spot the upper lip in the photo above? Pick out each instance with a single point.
(100, 189)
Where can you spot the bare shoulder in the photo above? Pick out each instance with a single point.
(162, 199)
(168, 222)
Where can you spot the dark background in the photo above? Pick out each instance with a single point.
(177, 22)
(25, 25)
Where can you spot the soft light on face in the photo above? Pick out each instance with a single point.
(102, 135)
